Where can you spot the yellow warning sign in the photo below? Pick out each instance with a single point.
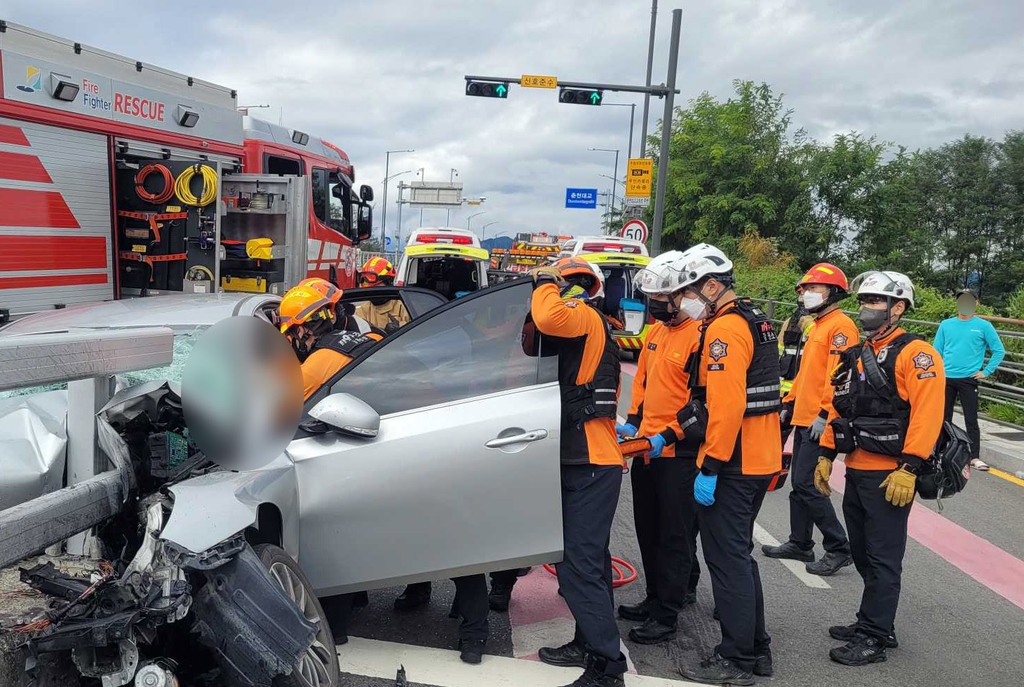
(639, 173)
(537, 81)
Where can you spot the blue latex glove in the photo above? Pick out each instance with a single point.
(657, 444)
(817, 428)
(704, 488)
(626, 430)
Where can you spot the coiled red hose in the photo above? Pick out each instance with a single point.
(618, 578)
(155, 198)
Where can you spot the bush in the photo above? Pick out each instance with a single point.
(1015, 305)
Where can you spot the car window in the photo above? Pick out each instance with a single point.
(471, 348)
(421, 303)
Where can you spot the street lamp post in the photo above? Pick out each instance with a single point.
(384, 219)
(469, 219)
(632, 113)
(423, 177)
(618, 181)
(451, 178)
(616, 173)
(483, 231)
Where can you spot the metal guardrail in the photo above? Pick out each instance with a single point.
(990, 390)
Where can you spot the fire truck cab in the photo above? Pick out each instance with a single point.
(120, 179)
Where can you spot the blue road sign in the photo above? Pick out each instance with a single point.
(584, 198)
(387, 243)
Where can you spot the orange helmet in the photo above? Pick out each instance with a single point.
(305, 305)
(583, 273)
(375, 271)
(826, 274)
(325, 288)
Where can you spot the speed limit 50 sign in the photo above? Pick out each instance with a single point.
(635, 230)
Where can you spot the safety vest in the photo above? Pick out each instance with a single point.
(791, 350)
(352, 344)
(873, 416)
(597, 398)
(763, 373)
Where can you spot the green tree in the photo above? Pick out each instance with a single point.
(733, 167)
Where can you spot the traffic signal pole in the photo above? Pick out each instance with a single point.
(662, 91)
(666, 135)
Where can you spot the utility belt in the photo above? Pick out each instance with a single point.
(585, 402)
(882, 435)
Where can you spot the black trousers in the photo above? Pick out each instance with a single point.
(878, 540)
(967, 391)
(590, 495)
(504, 578)
(807, 506)
(727, 534)
(663, 513)
(471, 604)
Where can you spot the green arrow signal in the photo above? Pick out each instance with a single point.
(501, 90)
(594, 98)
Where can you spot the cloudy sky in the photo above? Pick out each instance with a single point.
(388, 74)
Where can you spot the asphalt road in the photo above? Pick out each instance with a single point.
(960, 622)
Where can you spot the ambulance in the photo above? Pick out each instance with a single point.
(619, 259)
(447, 260)
(122, 179)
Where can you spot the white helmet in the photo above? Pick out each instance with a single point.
(663, 274)
(890, 284)
(701, 261)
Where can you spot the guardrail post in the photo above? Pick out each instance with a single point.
(85, 398)
(771, 309)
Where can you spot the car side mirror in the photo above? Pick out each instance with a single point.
(366, 193)
(347, 414)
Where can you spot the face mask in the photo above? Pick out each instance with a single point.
(660, 311)
(872, 320)
(693, 308)
(966, 309)
(813, 300)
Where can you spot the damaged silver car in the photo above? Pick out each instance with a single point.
(433, 455)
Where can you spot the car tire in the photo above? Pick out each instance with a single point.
(319, 666)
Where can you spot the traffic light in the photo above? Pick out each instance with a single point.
(576, 96)
(486, 89)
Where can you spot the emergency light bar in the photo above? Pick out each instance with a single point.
(611, 248)
(441, 238)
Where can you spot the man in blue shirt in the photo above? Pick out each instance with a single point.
(963, 342)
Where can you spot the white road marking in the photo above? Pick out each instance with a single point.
(373, 658)
(763, 536)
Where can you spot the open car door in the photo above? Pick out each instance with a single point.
(387, 308)
(463, 475)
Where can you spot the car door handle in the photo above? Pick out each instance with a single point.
(525, 437)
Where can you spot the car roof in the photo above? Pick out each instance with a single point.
(180, 312)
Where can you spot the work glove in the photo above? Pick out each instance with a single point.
(822, 471)
(899, 486)
(817, 427)
(547, 273)
(657, 444)
(786, 414)
(627, 430)
(704, 488)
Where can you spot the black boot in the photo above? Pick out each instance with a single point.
(636, 613)
(500, 597)
(652, 632)
(830, 564)
(716, 670)
(571, 655)
(860, 652)
(597, 675)
(788, 550)
(764, 666)
(414, 596)
(847, 633)
(471, 651)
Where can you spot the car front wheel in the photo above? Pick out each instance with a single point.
(318, 667)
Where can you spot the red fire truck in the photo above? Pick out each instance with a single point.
(119, 178)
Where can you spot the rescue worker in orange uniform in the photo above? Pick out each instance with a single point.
(664, 509)
(387, 314)
(807, 406)
(887, 415)
(591, 463)
(737, 382)
(308, 318)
